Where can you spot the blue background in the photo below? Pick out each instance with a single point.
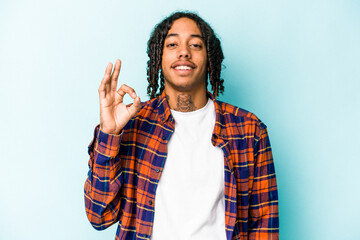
(295, 64)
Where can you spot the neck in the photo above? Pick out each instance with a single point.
(186, 101)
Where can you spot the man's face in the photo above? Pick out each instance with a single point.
(184, 57)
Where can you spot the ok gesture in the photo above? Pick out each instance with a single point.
(114, 114)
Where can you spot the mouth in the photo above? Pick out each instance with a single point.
(183, 66)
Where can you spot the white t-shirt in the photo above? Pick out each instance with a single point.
(190, 201)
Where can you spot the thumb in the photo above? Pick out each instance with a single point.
(135, 107)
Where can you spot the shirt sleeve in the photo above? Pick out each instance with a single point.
(102, 201)
(263, 206)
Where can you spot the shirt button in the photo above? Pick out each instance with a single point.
(150, 202)
(157, 170)
(163, 138)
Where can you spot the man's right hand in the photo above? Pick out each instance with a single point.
(114, 114)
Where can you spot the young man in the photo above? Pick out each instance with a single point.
(182, 165)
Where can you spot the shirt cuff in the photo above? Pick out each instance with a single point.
(107, 144)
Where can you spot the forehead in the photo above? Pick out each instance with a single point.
(185, 26)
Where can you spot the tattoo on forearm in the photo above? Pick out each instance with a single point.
(184, 103)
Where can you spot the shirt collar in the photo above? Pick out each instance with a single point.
(219, 129)
(164, 109)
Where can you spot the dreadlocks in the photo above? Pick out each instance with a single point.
(155, 49)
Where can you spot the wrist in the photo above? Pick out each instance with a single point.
(110, 131)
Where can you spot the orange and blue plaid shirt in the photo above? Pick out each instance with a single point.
(124, 171)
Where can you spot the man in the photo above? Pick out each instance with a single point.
(182, 165)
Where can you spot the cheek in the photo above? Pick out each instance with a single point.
(165, 63)
(203, 58)
(204, 63)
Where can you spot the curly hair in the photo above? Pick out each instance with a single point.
(155, 49)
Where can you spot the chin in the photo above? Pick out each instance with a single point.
(185, 86)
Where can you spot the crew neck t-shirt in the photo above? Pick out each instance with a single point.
(190, 200)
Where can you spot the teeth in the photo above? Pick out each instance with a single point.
(183, 67)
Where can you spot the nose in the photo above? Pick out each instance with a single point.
(184, 52)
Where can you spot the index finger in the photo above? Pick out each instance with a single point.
(126, 89)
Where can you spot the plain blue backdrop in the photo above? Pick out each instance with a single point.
(295, 64)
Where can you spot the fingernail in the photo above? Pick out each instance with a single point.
(133, 94)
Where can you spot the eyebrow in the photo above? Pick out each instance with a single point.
(176, 35)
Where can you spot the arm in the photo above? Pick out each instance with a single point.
(102, 201)
(263, 206)
(102, 187)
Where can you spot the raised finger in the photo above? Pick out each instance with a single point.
(107, 76)
(105, 83)
(115, 75)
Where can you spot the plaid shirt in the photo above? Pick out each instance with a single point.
(124, 171)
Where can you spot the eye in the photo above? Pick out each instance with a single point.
(171, 45)
(195, 45)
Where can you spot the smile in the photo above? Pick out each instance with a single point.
(183, 68)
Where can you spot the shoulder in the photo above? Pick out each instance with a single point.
(150, 110)
(149, 105)
(147, 114)
(239, 116)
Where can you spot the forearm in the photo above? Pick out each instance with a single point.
(104, 180)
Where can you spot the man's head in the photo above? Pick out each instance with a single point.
(160, 55)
